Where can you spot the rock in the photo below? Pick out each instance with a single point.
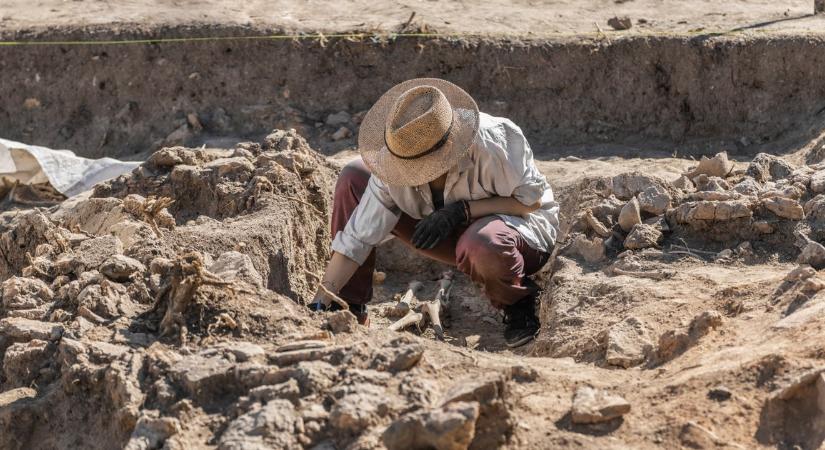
(790, 191)
(169, 157)
(495, 422)
(235, 168)
(104, 352)
(689, 212)
(25, 293)
(765, 167)
(398, 355)
(744, 249)
(818, 182)
(642, 236)
(747, 186)
(10, 396)
(523, 373)
(629, 215)
(236, 266)
(359, 409)
(108, 300)
(288, 390)
(121, 268)
(813, 254)
(718, 166)
(807, 312)
(705, 183)
(627, 185)
(203, 378)
(693, 435)
(339, 118)
(342, 133)
(272, 425)
(815, 208)
(89, 255)
(451, 427)
(795, 413)
(620, 23)
(152, 432)
(246, 351)
(719, 393)
(594, 406)
(784, 207)
(684, 183)
(312, 376)
(23, 361)
(23, 330)
(592, 251)
(654, 200)
(800, 273)
(342, 322)
(627, 343)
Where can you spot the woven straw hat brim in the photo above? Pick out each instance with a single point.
(414, 172)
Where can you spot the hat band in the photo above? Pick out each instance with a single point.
(435, 146)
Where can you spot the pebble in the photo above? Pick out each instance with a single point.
(719, 393)
(620, 23)
(342, 133)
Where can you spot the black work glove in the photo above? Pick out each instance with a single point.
(432, 229)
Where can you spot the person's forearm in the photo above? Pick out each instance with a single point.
(500, 205)
(339, 270)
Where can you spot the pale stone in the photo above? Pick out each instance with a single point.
(627, 343)
(451, 427)
(629, 215)
(594, 406)
(642, 236)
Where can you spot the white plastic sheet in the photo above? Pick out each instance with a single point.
(68, 173)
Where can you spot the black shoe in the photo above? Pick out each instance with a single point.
(522, 323)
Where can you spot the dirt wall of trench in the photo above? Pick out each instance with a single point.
(698, 94)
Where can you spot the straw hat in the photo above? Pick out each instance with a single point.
(417, 131)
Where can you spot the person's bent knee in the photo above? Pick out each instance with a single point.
(485, 256)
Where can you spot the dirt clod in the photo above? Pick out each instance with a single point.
(629, 215)
(620, 23)
(594, 406)
(451, 427)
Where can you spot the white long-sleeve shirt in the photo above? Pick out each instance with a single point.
(499, 163)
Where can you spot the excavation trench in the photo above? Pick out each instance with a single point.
(651, 95)
(169, 300)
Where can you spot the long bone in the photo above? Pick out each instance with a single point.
(442, 300)
(411, 318)
(404, 304)
(432, 309)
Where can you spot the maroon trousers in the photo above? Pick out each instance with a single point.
(490, 252)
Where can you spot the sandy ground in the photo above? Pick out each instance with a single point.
(522, 17)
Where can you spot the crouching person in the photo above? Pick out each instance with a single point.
(457, 185)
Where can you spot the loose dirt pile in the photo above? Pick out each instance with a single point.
(164, 310)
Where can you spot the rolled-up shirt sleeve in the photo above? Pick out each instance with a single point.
(372, 221)
(517, 175)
